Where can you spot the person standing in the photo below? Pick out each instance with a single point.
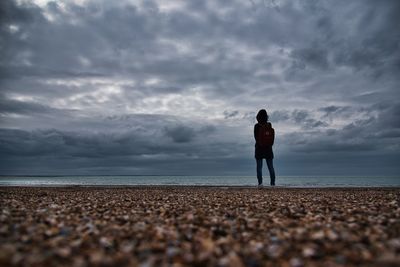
(264, 135)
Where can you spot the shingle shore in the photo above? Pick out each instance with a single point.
(199, 226)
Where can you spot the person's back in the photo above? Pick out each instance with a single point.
(264, 136)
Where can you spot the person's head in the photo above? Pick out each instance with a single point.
(262, 116)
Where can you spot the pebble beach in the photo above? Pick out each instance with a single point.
(199, 226)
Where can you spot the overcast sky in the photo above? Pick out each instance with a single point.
(173, 87)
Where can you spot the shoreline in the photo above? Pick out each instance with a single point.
(144, 186)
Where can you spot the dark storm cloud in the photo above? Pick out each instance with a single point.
(10, 106)
(185, 134)
(373, 134)
(332, 110)
(180, 133)
(141, 87)
(109, 149)
(20, 107)
(49, 142)
(315, 57)
(366, 40)
(230, 114)
(304, 118)
(377, 48)
(388, 118)
(9, 11)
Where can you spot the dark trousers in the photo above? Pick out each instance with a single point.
(270, 165)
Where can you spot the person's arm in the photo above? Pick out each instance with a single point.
(255, 132)
(273, 136)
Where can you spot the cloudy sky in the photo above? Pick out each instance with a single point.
(173, 87)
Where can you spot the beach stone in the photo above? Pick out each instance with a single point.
(296, 262)
(309, 252)
(63, 252)
(395, 244)
(319, 235)
(274, 251)
(106, 242)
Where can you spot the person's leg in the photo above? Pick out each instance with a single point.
(259, 171)
(270, 165)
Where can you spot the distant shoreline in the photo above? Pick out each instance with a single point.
(201, 181)
(224, 187)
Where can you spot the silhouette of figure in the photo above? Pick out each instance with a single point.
(264, 135)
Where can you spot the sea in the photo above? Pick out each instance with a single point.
(244, 181)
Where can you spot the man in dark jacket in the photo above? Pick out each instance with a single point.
(264, 135)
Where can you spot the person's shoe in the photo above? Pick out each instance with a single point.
(272, 184)
(260, 186)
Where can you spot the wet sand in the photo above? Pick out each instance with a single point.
(199, 226)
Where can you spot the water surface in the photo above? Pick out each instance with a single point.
(286, 181)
